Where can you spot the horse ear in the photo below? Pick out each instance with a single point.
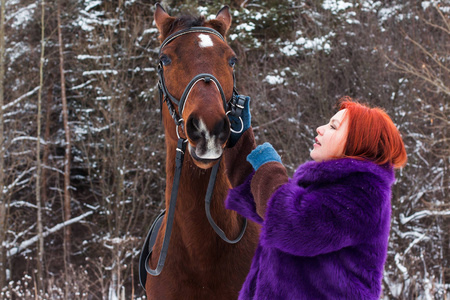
(222, 22)
(163, 21)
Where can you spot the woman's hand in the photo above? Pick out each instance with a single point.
(263, 154)
(238, 127)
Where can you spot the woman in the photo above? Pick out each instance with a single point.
(324, 231)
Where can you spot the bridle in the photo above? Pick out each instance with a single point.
(234, 107)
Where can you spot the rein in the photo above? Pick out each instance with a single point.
(234, 107)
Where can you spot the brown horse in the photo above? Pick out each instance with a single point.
(199, 265)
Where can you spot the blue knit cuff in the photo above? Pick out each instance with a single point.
(263, 154)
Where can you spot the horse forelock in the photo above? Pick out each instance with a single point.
(187, 21)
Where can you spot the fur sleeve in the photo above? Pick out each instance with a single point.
(324, 218)
(237, 166)
(241, 200)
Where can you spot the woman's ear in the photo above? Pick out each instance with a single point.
(163, 21)
(222, 22)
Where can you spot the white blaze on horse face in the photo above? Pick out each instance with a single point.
(213, 149)
(205, 41)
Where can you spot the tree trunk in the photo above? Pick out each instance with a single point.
(44, 172)
(3, 216)
(67, 210)
(40, 254)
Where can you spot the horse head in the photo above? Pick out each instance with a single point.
(187, 61)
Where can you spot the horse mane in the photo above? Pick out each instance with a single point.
(187, 21)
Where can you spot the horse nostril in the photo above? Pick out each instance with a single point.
(193, 129)
(197, 130)
(222, 130)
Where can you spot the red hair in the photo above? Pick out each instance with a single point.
(372, 135)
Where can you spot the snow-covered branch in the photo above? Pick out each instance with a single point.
(403, 270)
(23, 204)
(422, 214)
(25, 244)
(413, 243)
(27, 138)
(100, 72)
(12, 103)
(8, 188)
(21, 13)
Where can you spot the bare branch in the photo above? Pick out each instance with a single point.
(423, 214)
(24, 96)
(25, 244)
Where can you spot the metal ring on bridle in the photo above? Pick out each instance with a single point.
(177, 128)
(242, 125)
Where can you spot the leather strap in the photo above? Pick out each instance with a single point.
(208, 197)
(198, 29)
(147, 248)
(181, 148)
(207, 78)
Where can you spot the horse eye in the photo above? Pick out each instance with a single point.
(232, 62)
(165, 60)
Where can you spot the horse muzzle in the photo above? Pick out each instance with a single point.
(207, 139)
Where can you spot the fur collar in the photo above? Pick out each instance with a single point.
(334, 170)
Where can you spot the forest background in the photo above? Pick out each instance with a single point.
(82, 158)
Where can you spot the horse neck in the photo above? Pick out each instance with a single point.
(192, 191)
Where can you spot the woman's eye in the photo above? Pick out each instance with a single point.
(232, 62)
(332, 127)
(165, 60)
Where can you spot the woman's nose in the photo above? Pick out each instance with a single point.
(319, 130)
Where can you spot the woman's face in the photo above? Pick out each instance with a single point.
(331, 138)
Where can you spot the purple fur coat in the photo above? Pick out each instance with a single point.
(324, 234)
